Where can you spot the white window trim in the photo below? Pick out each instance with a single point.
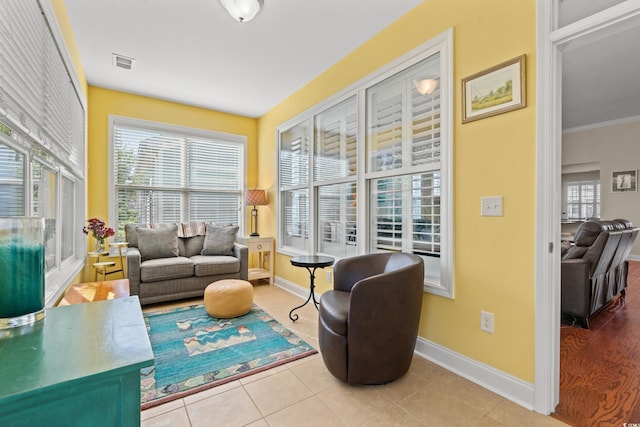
(442, 43)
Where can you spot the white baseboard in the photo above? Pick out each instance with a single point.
(505, 385)
(634, 258)
(293, 288)
(501, 383)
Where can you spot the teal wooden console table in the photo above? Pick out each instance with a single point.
(80, 366)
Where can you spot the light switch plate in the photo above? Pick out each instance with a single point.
(491, 206)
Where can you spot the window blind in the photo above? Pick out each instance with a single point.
(12, 182)
(169, 174)
(38, 101)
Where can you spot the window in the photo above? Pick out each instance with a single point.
(403, 137)
(42, 140)
(583, 200)
(294, 186)
(44, 180)
(12, 182)
(165, 173)
(334, 168)
(68, 217)
(370, 170)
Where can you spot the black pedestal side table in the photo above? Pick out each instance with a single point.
(311, 263)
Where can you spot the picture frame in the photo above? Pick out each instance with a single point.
(494, 91)
(624, 181)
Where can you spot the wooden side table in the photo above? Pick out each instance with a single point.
(102, 267)
(263, 248)
(120, 246)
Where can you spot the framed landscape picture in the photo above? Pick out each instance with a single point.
(624, 181)
(494, 91)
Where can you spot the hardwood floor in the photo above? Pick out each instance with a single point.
(600, 367)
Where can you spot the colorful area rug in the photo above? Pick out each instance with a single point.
(194, 352)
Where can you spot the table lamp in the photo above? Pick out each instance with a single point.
(256, 198)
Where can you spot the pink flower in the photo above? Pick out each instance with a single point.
(98, 229)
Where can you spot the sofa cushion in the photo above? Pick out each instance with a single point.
(219, 240)
(158, 242)
(209, 265)
(131, 231)
(193, 245)
(155, 270)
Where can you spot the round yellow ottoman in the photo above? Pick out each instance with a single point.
(228, 298)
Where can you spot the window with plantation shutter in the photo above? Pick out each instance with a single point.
(42, 136)
(164, 173)
(403, 137)
(294, 182)
(334, 167)
(370, 170)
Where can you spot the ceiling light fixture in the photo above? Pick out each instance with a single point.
(242, 10)
(425, 86)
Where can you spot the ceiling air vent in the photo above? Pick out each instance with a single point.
(122, 61)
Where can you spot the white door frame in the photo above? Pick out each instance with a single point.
(550, 43)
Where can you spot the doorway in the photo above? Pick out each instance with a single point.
(554, 42)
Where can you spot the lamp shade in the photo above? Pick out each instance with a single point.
(256, 197)
(242, 10)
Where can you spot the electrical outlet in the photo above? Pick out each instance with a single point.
(328, 276)
(486, 321)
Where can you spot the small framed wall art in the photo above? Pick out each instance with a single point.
(624, 181)
(495, 90)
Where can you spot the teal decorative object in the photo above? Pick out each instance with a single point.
(78, 367)
(194, 351)
(21, 271)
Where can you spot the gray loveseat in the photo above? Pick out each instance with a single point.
(174, 261)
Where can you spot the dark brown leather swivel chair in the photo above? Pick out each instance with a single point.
(369, 323)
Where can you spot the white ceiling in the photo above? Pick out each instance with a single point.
(599, 72)
(193, 52)
(600, 79)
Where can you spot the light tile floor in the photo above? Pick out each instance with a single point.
(304, 393)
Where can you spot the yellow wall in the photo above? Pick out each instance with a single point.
(494, 257)
(105, 102)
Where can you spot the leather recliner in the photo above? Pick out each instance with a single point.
(594, 270)
(369, 322)
(620, 264)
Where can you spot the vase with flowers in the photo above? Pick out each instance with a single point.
(100, 232)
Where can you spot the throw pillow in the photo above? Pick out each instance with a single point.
(219, 239)
(131, 234)
(158, 242)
